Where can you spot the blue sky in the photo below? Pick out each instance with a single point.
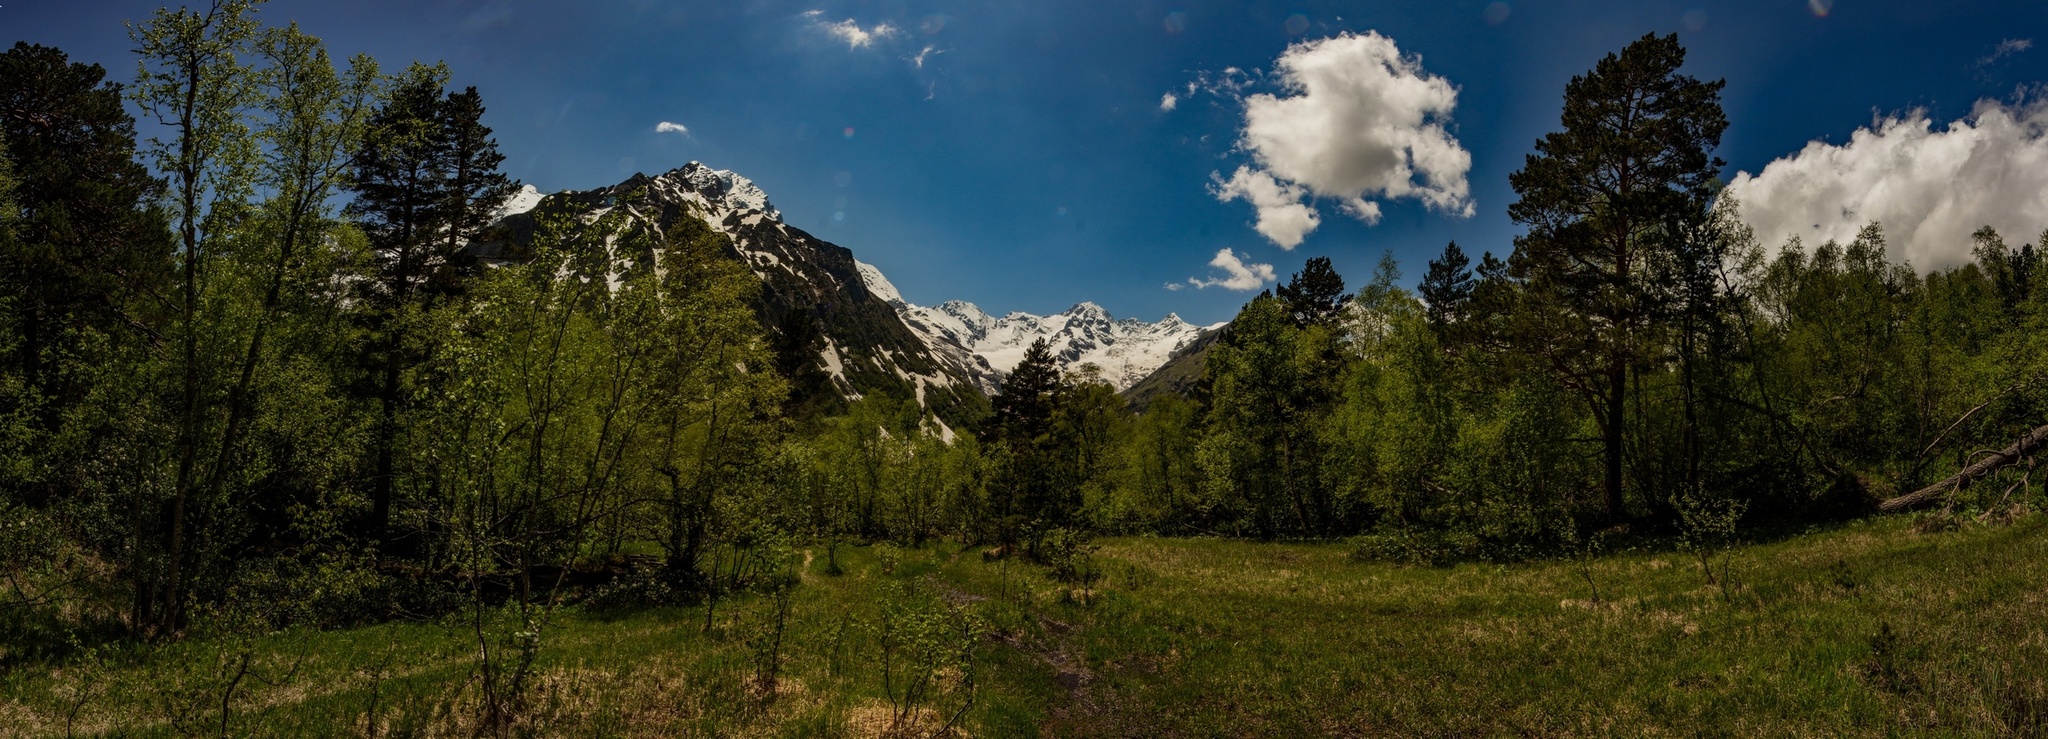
(1026, 163)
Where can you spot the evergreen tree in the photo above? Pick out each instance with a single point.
(401, 186)
(425, 184)
(88, 246)
(1603, 199)
(2011, 270)
(474, 186)
(1447, 287)
(1315, 295)
(1024, 407)
(1023, 424)
(798, 344)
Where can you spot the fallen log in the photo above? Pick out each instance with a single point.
(2027, 445)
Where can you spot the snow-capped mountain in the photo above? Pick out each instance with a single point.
(873, 340)
(1122, 351)
(866, 346)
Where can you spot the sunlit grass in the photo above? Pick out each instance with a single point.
(1871, 629)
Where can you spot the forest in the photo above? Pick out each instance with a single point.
(253, 381)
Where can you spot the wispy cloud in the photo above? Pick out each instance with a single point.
(669, 127)
(917, 60)
(850, 31)
(2005, 49)
(1236, 274)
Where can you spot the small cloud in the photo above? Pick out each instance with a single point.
(1366, 211)
(1236, 274)
(1175, 286)
(1283, 218)
(917, 60)
(1168, 102)
(2005, 49)
(850, 31)
(668, 127)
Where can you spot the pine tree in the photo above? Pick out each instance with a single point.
(401, 187)
(425, 183)
(1022, 425)
(1603, 199)
(797, 344)
(1024, 407)
(87, 244)
(474, 186)
(1315, 295)
(1447, 287)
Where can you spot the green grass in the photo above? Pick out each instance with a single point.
(1872, 629)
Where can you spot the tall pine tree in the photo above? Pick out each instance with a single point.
(1603, 199)
(425, 184)
(1447, 287)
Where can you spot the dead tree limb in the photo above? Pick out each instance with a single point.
(2027, 445)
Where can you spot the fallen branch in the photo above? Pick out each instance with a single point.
(2027, 445)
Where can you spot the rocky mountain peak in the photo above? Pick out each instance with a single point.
(723, 188)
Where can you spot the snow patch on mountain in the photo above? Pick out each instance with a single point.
(1122, 351)
(877, 284)
(524, 200)
(728, 190)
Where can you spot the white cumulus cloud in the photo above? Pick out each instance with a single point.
(1169, 101)
(1929, 188)
(668, 127)
(1283, 218)
(1236, 274)
(1357, 122)
(850, 31)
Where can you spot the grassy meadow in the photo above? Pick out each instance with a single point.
(1878, 628)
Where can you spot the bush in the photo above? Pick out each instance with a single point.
(1067, 554)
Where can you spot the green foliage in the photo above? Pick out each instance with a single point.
(1271, 382)
(926, 650)
(1292, 632)
(1605, 199)
(231, 404)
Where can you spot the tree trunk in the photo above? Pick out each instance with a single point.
(1611, 441)
(2027, 445)
(387, 442)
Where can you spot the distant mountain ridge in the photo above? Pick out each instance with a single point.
(1123, 351)
(874, 340)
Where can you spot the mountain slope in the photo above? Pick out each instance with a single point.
(1179, 375)
(867, 348)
